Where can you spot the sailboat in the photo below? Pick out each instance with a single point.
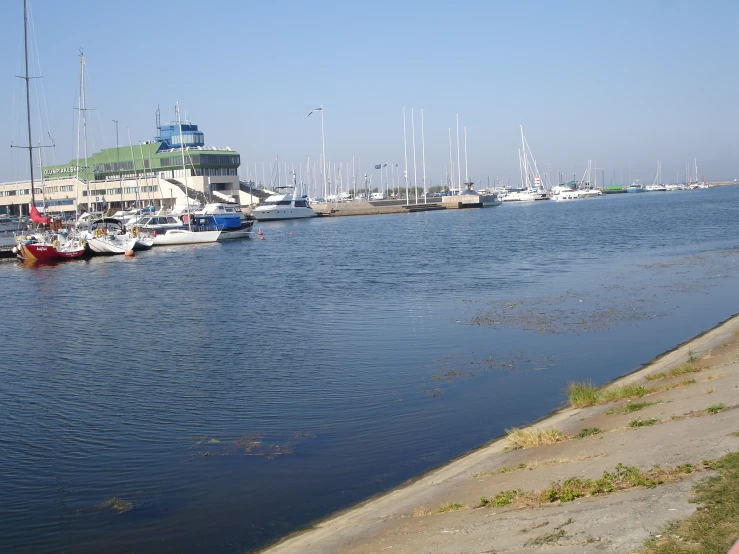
(531, 188)
(43, 244)
(186, 236)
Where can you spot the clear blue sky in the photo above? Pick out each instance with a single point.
(629, 82)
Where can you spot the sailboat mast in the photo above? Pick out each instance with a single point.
(451, 162)
(459, 166)
(184, 169)
(466, 176)
(405, 154)
(423, 157)
(84, 126)
(415, 174)
(28, 100)
(525, 161)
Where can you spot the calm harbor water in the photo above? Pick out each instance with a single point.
(215, 398)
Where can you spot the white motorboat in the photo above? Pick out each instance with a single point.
(228, 215)
(185, 236)
(284, 206)
(527, 195)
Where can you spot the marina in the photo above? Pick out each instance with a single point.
(404, 343)
(209, 349)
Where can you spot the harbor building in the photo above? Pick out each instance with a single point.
(145, 174)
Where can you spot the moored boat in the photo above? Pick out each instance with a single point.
(284, 206)
(636, 186)
(108, 236)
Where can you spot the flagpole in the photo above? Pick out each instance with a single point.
(405, 153)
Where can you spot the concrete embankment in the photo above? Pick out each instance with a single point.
(362, 207)
(499, 499)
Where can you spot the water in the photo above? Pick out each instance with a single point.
(232, 393)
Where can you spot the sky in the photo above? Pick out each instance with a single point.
(626, 84)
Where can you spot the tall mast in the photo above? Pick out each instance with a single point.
(451, 162)
(466, 176)
(459, 166)
(323, 149)
(184, 169)
(415, 175)
(405, 154)
(84, 125)
(423, 154)
(524, 162)
(28, 100)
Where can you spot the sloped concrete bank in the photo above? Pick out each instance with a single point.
(498, 499)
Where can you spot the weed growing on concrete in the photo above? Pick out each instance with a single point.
(716, 408)
(587, 432)
(631, 407)
(527, 438)
(452, 507)
(504, 498)
(715, 525)
(622, 478)
(583, 394)
(643, 422)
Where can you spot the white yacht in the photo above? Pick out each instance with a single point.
(106, 236)
(284, 206)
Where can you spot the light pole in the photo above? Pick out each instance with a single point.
(118, 151)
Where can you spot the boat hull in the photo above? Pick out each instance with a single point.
(37, 252)
(183, 236)
(110, 244)
(282, 213)
(489, 201)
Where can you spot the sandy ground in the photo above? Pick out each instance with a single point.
(406, 519)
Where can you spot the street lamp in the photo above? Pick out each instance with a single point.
(118, 151)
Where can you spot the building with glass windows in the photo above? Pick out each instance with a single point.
(145, 174)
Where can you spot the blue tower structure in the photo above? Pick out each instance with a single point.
(169, 135)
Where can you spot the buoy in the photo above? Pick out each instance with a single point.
(291, 233)
(261, 238)
(15, 250)
(129, 254)
(260, 233)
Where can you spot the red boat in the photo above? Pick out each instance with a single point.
(37, 252)
(72, 249)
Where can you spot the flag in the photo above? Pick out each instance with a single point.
(313, 110)
(378, 166)
(105, 204)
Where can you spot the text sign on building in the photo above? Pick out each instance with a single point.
(58, 170)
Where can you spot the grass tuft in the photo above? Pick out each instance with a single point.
(586, 394)
(716, 408)
(527, 438)
(688, 367)
(643, 422)
(451, 507)
(631, 407)
(714, 526)
(587, 432)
